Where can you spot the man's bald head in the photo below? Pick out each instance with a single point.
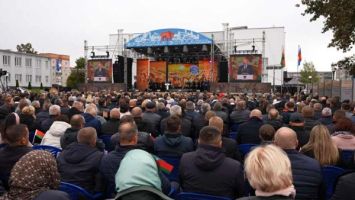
(136, 112)
(77, 121)
(87, 136)
(216, 122)
(115, 113)
(286, 138)
(256, 113)
(273, 113)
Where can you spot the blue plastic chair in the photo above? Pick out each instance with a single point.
(197, 196)
(330, 176)
(174, 161)
(106, 139)
(233, 135)
(234, 127)
(245, 148)
(53, 150)
(75, 192)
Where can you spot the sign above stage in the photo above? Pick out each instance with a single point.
(168, 37)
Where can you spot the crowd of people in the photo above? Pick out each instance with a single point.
(293, 137)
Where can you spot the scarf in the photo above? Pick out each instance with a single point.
(290, 191)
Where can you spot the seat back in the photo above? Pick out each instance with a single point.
(53, 150)
(75, 192)
(106, 139)
(174, 161)
(245, 148)
(330, 175)
(347, 158)
(197, 196)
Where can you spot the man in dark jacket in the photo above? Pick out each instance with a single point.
(54, 113)
(137, 116)
(17, 138)
(248, 132)
(77, 108)
(111, 126)
(199, 121)
(151, 118)
(309, 120)
(43, 114)
(7, 107)
(297, 124)
(111, 162)
(274, 119)
(306, 171)
(173, 143)
(190, 112)
(79, 162)
(289, 109)
(345, 187)
(229, 146)
(207, 170)
(326, 117)
(185, 128)
(90, 118)
(241, 114)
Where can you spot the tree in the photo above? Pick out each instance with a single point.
(41, 87)
(17, 84)
(75, 78)
(307, 71)
(80, 63)
(339, 18)
(26, 48)
(29, 85)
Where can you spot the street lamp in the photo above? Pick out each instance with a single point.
(310, 77)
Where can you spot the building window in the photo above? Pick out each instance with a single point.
(28, 62)
(47, 79)
(46, 63)
(18, 61)
(28, 78)
(18, 77)
(38, 79)
(6, 60)
(38, 63)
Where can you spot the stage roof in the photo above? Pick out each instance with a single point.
(168, 37)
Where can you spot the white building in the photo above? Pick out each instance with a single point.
(60, 68)
(268, 41)
(25, 68)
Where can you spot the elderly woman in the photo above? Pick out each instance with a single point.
(28, 117)
(270, 181)
(35, 176)
(344, 135)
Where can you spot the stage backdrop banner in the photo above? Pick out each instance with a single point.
(245, 67)
(157, 72)
(181, 74)
(100, 71)
(142, 74)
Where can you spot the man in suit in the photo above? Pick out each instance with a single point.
(245, 68)
(100, 71)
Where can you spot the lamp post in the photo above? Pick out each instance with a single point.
(310, 77)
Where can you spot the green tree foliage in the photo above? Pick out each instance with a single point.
(29, 85)
(80, 63)
(77, 75)
(339, 17)
(307, 71)
(17, 84)
(347, 63)
(26, 48)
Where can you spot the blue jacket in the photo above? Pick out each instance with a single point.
(307, 175)
(91, 121)
(171, 144)
(248, 132)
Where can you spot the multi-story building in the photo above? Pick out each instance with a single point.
(60, 68)
(25, 68)
(322, 75)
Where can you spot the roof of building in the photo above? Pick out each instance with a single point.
(56, 56)
(21, 53)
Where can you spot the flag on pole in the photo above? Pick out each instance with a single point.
(163, 165)
(299, 56)
(283, 61)
(39, 134)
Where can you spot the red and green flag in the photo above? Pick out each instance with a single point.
(39, 134)
(164, 166)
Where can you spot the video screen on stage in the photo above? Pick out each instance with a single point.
(181, 74)
(245, 67)
(157, 72)
(99, 70)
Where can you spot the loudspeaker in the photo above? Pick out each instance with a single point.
(118, 70)
(129, 72)
(223, 71)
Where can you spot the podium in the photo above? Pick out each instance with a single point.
(245, 77)
(167, 86)
(100, 79)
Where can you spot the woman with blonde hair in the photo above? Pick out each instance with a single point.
(268, 170)
(28, 117)
(321, 147)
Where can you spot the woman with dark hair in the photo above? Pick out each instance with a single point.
(344, 135)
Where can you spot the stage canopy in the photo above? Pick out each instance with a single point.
(170, 43)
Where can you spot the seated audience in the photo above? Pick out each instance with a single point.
(270, 181)
(343, 137)
(338, 114)
(10, 120)
(79, 162)
(34, 175)
(137, 116)
(309, 120)
(151, 118)
(274, 119)
(321, 147)
(138, 169)
(266, 134)
(297, 124)
(111, 162)
(70, 135)
(54, 113)
(241, 113)
(229, 146)
(248, 132)
(111, 126)
(207, 170)
(317, 111)
(306, 171)
(289, 109)
(17, 139)
(172, 142)
(185, 128)
(344, 187)
(28, 117)
(55, 132)
(90, 118)
(77, 108)
(326, 117)
(7, 107)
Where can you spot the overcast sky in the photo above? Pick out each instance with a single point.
(61, 26)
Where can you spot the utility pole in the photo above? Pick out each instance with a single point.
(86, 48)
(125, 63)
